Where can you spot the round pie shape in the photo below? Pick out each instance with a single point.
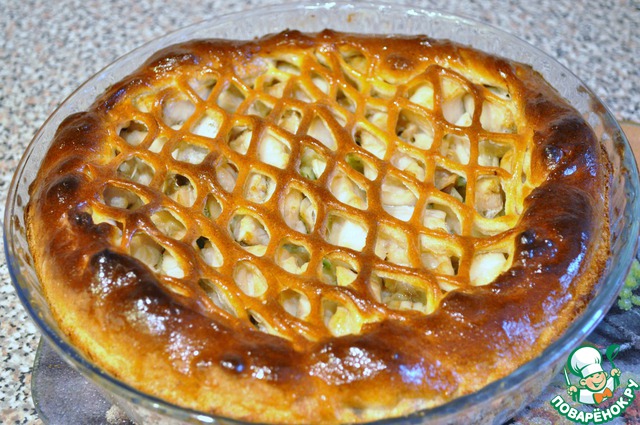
(320, 227)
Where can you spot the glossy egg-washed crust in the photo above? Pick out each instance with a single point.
(172, 346)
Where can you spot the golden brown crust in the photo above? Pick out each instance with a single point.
(165, 336)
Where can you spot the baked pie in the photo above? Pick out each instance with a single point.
(320, 227)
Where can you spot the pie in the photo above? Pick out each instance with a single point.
(320, 227)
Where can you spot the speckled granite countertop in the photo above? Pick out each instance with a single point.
(48, 48)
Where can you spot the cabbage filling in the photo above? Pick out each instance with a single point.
(399, 295)
(249, 233)
(299, 212)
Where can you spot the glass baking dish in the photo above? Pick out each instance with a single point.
(493, 404)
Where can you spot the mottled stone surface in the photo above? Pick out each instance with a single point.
(48, 48)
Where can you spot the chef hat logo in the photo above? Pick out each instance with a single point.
(585, 361)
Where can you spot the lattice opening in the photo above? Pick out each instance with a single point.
(259, 187)
(319, 130)
(259, 323)
(288, 65)
(290, 120)
(312, 164)
(145, 249)
(456, 148)
(451, 183)
(273, 149)
(212, 207)
(155, 256)
(497, 118)
(340, 320)
(217, 296)
(209, 125)
(494, 154)
(231, 98)
(336, 270)
(295, 303)
(489, 197)
(347, 191)
(175, 111)
(353, 82)
(320, 82)
(377, 115)
(133, 132)
(118, 197)
(414, 129)
(250, 233)
(260, 108)
(190, 152)
(345, 100)
(486, 267)
(500, 92)
(344, 231)
(361, 165)
(226, 174)
(170, 266)
(136, 170)
(370, 142)
(239, 138)
(392, 245)
(99, 217)
(422, 94)
(397, 198)
(439, 216)
(179, 289)
(274, 86)
(438, 257)
(180, 189)
(293, 257)
(354, 58)
(203, 85)
(321, 56)
(301, 93)
(298, 211)
(249, 279)
(458, 104)
(209, 252)
(410, 163)
(169, 224)
(400, 293)
(382, 90)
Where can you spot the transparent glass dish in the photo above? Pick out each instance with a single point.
(495, 403)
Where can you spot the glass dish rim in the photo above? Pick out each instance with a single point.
(574, 334)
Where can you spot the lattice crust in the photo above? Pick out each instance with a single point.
(346, 227)
(312, 182)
